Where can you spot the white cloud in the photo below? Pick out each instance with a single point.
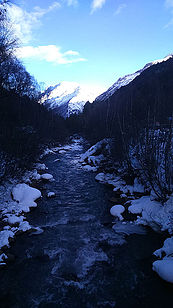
(71, 53)
(50, 53)
(120, 8)
(72, 2)
(169, 3)
(97, 4)
(25, 22)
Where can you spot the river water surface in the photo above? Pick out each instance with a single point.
(79, 260)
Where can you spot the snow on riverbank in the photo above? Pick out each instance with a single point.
(17, 200)
(25, 196)
(12, 214)
(148, 211)
(31, 176)
(164, 267)
(153, 213)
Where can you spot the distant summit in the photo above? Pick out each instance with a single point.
(67, 98)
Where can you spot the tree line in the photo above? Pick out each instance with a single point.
(25, 124)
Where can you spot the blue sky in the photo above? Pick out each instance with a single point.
(92, 42)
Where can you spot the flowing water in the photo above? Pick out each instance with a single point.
(79, 260)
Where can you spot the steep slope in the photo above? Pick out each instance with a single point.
(67, 98)
(123, 81)
(145, 101)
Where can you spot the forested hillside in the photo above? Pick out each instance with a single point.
(25, 124)
(138, 119)
(147, 100)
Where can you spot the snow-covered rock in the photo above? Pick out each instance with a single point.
(25, 196)
(13, 219)
(51, 194)
(62, 152)
(89, 168)
(153, 213)
(167, 248)
(41, 167)
(47, 176)
(46, 152)
(117, 210)
(35, 176)
(67, 98)
(164, 268)
(101, 177)
(24, 226)
(138, 205)
(5, 235)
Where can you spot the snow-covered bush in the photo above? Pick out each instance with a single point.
(152, 159)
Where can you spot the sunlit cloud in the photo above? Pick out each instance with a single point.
(169, 5)
(120, 8)
(50, 53)
(25, 22)
(97, 4)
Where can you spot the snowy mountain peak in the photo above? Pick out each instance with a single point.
(123, 81)
(162, 60)
(67, 98)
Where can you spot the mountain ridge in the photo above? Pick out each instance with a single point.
(68, 98)
(125, 80)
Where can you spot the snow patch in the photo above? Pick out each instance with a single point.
(51, 194)
(62, 152)
(89, 168)
(153, 213)
(5, 236)
(41, 167)
(47, 176)
(25, 196)
(24, 226)
(12, 219)
(164, 268)
(167, 248)
(117, 210)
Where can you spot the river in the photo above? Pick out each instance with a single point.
(79, 261)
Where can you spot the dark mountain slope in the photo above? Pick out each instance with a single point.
(146, 100)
